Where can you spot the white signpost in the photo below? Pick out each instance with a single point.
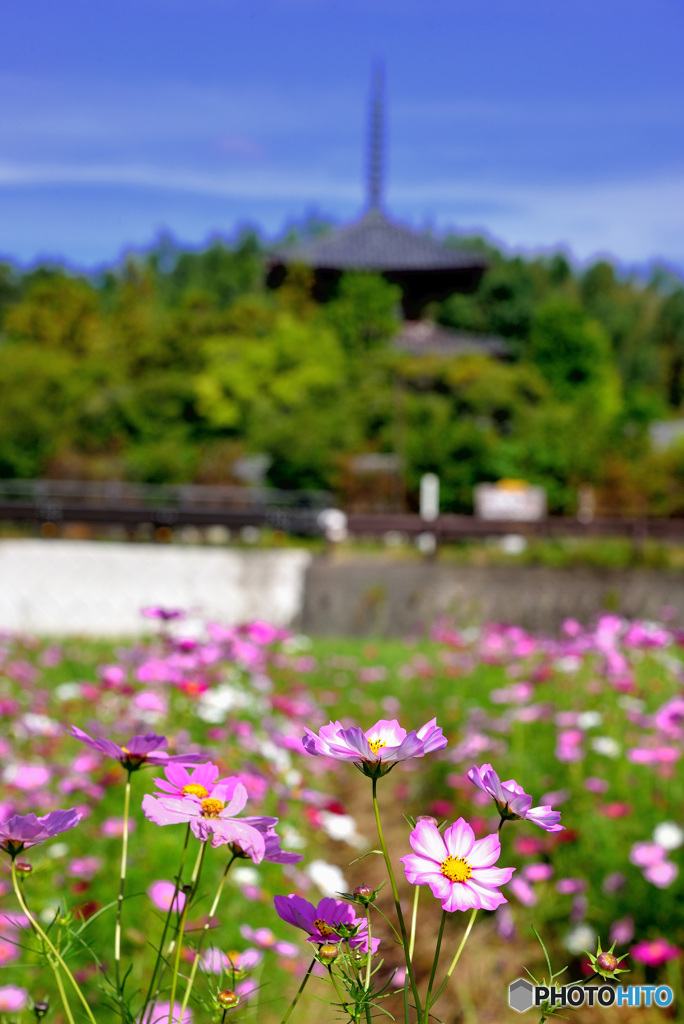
(513, 500)
(429, 497)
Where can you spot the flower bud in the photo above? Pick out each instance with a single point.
(607, 962)
(328, 953)
(23, 867)
(364, 893)
(227, 998)
(40, 1008)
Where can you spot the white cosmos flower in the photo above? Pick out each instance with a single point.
(327, 877)
(589, 719)
(606, 745)
(580, 938)
(668, 835)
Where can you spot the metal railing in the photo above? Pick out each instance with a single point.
(129, 504)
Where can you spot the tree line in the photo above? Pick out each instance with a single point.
(173, 365)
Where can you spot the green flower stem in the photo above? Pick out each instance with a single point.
(457, 957)
(414, 917)
(122, 885)
(343, 1002)
(299, 992)
(387, 921)
(62, 993)
(197, 870)
(369, 953)
(434, 966)
(49, 945)
(203, 935)
(160, 950)
(397, 904)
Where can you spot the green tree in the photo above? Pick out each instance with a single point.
(573, 353)
(364, 313)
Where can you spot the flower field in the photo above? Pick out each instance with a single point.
(206, 754)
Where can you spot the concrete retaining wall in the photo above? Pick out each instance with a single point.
(86, 588)
(62, 588)
(381, 598)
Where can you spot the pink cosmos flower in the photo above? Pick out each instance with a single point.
(265, 939)
(329, 921)
(622, 930)
(512, 801)
(655, 953)
(12, 998)
(662, 875)
(376, 751)
(215, 961)
(162, 893)
(21, 832)
(273, 852)
(458, 868)
(27, 776)
(669, 718)
(523, 891)
(200, 782)
(113, 828)
(163, 614)
(159, 1014)
(538, 872)
(84, 867)
(646, 854)
(10, 947)
(136, 752)
(570, 886)
(210, 817)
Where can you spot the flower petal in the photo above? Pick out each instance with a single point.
(492, 876)
(461, 897)
(419, 870)
(488, 899)
(427, 840)
(485, 852)
(459, 839)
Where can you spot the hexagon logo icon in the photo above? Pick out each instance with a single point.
(520, 995)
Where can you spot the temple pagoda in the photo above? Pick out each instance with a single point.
(425, 269)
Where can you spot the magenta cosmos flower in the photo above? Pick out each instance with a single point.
(376, 751)
(136, 752)
(458, 868)
(330, 920)
(211, 817)
(655, 953)
(22, 831)
(512, 801)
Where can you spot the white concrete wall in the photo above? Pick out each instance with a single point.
(86, 588)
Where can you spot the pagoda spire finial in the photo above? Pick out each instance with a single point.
(376, 140)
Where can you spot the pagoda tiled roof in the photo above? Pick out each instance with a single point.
(426, 338)
(376, 243)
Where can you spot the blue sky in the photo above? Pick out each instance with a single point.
(543, 123)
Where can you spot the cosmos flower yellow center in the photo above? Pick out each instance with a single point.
(211, 807)
(194, 789)
(323, 928)
(456, 869)
(376, 743)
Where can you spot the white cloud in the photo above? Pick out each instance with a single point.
(635, 220)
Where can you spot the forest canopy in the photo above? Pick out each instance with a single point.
(173, 365)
